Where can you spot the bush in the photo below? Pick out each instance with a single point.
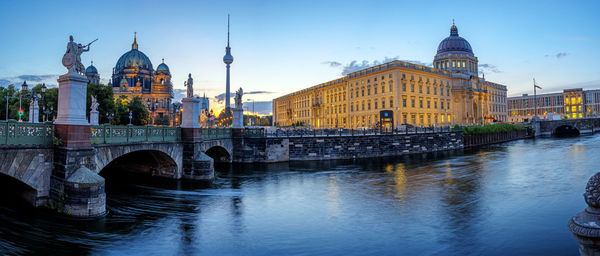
(491, 128)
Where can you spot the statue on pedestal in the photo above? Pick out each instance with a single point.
(190, 86)
(72, 58)
(95, 104)
(238, 98)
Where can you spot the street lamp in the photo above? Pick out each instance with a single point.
(253, 113)
(110, 117)
(47, 112)
(23, 88)
(152, 108)
(130, 116)
(7, 96)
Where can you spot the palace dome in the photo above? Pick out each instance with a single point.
(134, 59)
(454, 43)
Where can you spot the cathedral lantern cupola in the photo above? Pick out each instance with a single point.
(455, 54)
(92, 74)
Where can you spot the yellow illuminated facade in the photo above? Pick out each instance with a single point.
(418, 95)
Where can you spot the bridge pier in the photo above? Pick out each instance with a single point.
(196, 164)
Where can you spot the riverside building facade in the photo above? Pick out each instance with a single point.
(570, 104)
(449, 93)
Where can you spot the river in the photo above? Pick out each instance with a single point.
(513, 198)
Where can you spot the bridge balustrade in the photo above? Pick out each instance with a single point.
(109, 134)
(254, 132)
(15, 133)
(216, 133)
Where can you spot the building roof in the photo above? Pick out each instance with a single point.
(454, 43)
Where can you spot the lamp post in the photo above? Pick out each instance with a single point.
(130, 117)
(47, 112)
(23, 88)
(253, 113)
(110, 117)
(152, 107)
(7, 96)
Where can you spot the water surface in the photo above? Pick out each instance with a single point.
(508, 199)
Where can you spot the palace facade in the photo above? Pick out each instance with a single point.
(134, 76)
(449, 93)
(569, 104)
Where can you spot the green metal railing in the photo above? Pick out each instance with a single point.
(13, 133)
(254, 132)
(109, 134)
(216, 133)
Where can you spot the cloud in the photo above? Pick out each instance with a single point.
(488, 68)
(332, 64)
(49, 79)
(221, 97)
(558, 55)
(356, 65)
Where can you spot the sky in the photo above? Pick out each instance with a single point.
(283, 46)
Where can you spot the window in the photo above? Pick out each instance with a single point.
(412, 103)
(435, 104)
(390, 87)
(369, 105)
(375, 79)
(404, 118)
(351, 108)
(357, 93)
(420, 89)
(441, 105)
(403, 87)
(375, 90)
(375, 104)
(383, 89)
(421, 103)
(427, 89)
(403, 102)
(391, 103)
(390, 75)
(412, 88)
(413, 119)
(434, 90)
(382, 103)
(428, 104)
(362, 92)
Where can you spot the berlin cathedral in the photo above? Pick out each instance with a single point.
(134, 76)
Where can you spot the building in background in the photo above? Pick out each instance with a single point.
(134, 76)
(449, 93)
(92, 74)
(570, 104)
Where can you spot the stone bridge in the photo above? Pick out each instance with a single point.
(566, 127)
(69, 178)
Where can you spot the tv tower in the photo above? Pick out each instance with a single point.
(227, 59)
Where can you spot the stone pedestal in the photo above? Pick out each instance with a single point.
(238, 118)
(71, 125)
(585, 226)
(191, 113)
(34, 112)
(94, 117)
(72, 95)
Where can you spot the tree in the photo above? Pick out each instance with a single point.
(164, 120)
(225, 118)
(104, 96)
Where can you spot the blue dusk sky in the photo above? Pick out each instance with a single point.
(284, 46)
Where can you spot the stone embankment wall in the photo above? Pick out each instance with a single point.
(486, 139)
(344, 147)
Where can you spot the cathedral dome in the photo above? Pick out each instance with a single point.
(454, 43)
(91, 70)
(134, 59)
(163, 67)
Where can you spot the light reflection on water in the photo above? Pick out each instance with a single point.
(508, 199)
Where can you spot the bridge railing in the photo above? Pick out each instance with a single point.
(216, 133)
(350, 132)
(15, 133)
(254, 132)
(109, 134)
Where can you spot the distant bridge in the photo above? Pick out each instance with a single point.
(566, 127)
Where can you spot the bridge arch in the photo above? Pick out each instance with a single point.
(15, 190)
(219, 154)
(164, 160)
(566, 130)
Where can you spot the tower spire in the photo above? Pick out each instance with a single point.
(134, 46)
(227, 30)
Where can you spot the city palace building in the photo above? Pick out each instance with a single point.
(450, 92)
(133, 76)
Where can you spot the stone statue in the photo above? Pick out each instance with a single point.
(72, 58)
(95, 104)
(190, 86)
(238, 98)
